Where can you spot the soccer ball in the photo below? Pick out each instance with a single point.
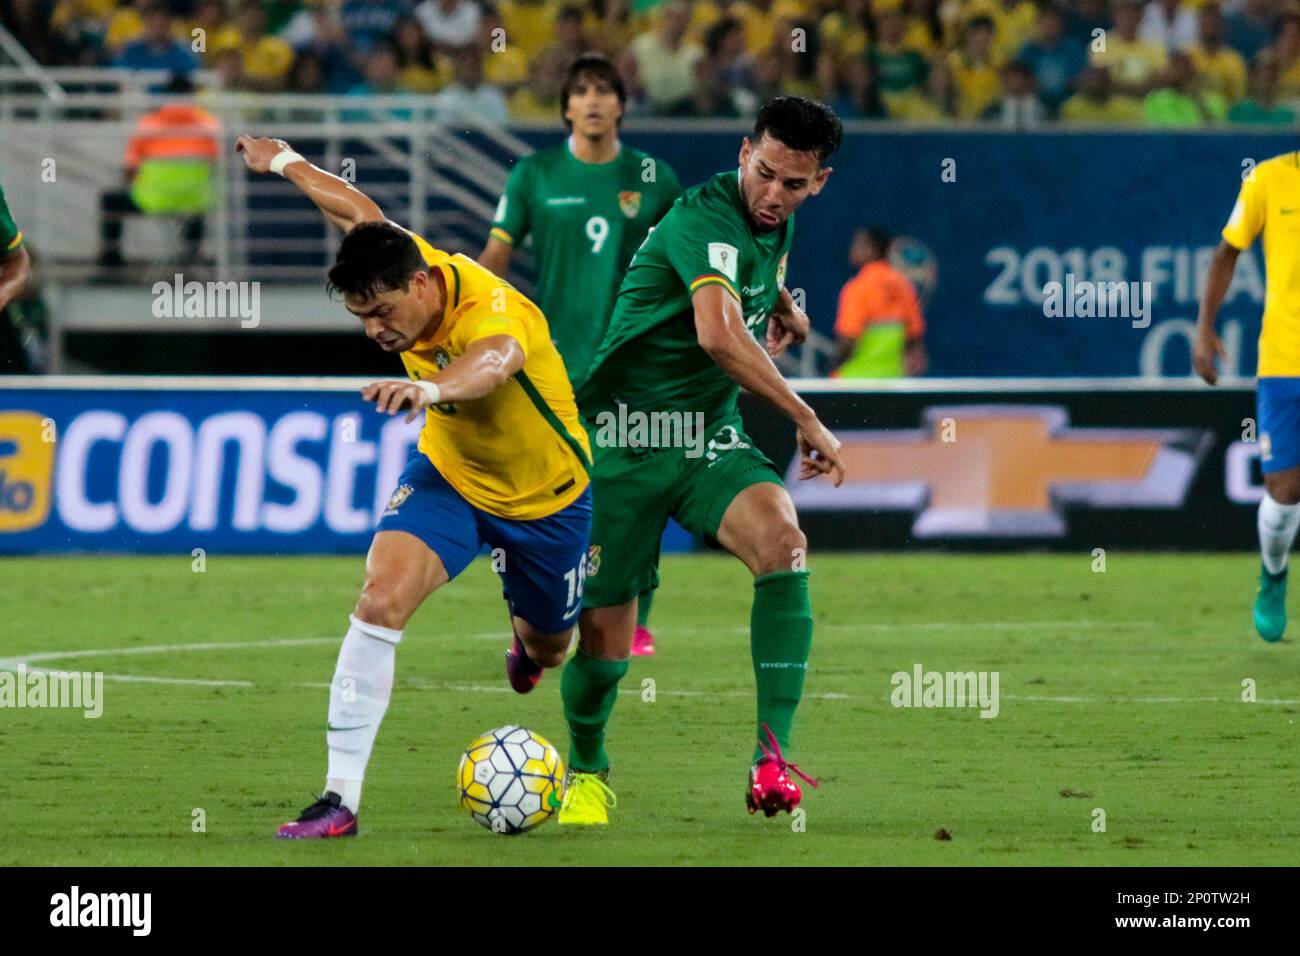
(510, 779)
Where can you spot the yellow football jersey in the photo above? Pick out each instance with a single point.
(1270, 201)
(519, 452)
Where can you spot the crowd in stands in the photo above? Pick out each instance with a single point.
(1164, 63)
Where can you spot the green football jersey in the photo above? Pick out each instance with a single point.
(11, 237)
(586, 220)
(650, 358)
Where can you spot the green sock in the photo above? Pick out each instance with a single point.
(589, 687)
(780, 629)
(643, 602)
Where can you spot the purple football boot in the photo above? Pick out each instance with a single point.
(523, 671)
(327, 817)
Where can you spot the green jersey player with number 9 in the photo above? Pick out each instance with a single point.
(588, 203)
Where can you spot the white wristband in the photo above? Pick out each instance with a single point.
(283, 159)
(432, 390)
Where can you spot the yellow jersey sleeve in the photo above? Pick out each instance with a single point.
(1247, 219)
(483, 320)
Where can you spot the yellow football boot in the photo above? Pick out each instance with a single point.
(587, 800)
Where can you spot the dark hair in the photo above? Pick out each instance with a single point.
(802, 124)
(719, 32)
(375, 257)
(880, 239)
(982, 20)
(598, 67)
(569, 11)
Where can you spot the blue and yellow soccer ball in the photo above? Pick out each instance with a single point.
(510, 780)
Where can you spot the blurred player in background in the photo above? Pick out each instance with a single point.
(15, 271)
(588, 204)
(1269, 201)
(502, 460)
(704, 287)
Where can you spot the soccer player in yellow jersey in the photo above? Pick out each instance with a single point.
(1269, 202)
(502, 460)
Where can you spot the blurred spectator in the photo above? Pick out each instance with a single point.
(1096, 102)
(505, 65)
(211, 26)
(925, 30)
(367, 22)
(1285, 52)
(899, 66)
(449, 24)
(1135, 64)
(1170, 23)
(939, 102)
(1054, 57)
(417, 70)
(267, 59)
(1221, 68)
(318, 30)
(1181, 100)
(125, 25)
(611, 25)
(168, 166)
(157, 48)
(382, 75)
(1083, 18)
(470, 98)
(570, 42)
(1250, 27)
(309, 74)
(230, 69)
(1021, 106)
(29, 21)
(724, 76)
(78, 30)
(1261, 108)
(857, 95)
(529, 24)
(973, 69)
(665, 59)
(1013, 22)
(796, 46)
(539, 97)
(878, 326)
(844, 30)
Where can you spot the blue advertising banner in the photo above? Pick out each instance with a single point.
(991, 220)
(251, 469)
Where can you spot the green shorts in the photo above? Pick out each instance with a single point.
(636, 490)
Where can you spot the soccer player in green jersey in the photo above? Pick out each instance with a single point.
(660, 404)
(588, 204)
(15, 270)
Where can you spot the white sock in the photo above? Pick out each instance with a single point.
(1277, 528)
(359, 693)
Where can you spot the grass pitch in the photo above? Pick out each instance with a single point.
(1120, 691)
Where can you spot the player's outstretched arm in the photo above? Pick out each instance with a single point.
(720, 329)
(1208, 345)
(481, 369)
(341, 202)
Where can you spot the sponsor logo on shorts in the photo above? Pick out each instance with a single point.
(400, 495)
(593, 560)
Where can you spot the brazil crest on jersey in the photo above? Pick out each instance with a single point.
(520, 451)
(586, 220)
(650, 358)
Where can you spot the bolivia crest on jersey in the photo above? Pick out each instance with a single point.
(630, 203)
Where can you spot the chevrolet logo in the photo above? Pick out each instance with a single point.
(1005, 470)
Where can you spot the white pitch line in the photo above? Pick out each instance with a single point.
(13, 663)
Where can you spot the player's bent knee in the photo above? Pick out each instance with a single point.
(784, 549)
(381, 604)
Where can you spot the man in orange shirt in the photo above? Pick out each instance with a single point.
(879, 325)
(168, 165)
